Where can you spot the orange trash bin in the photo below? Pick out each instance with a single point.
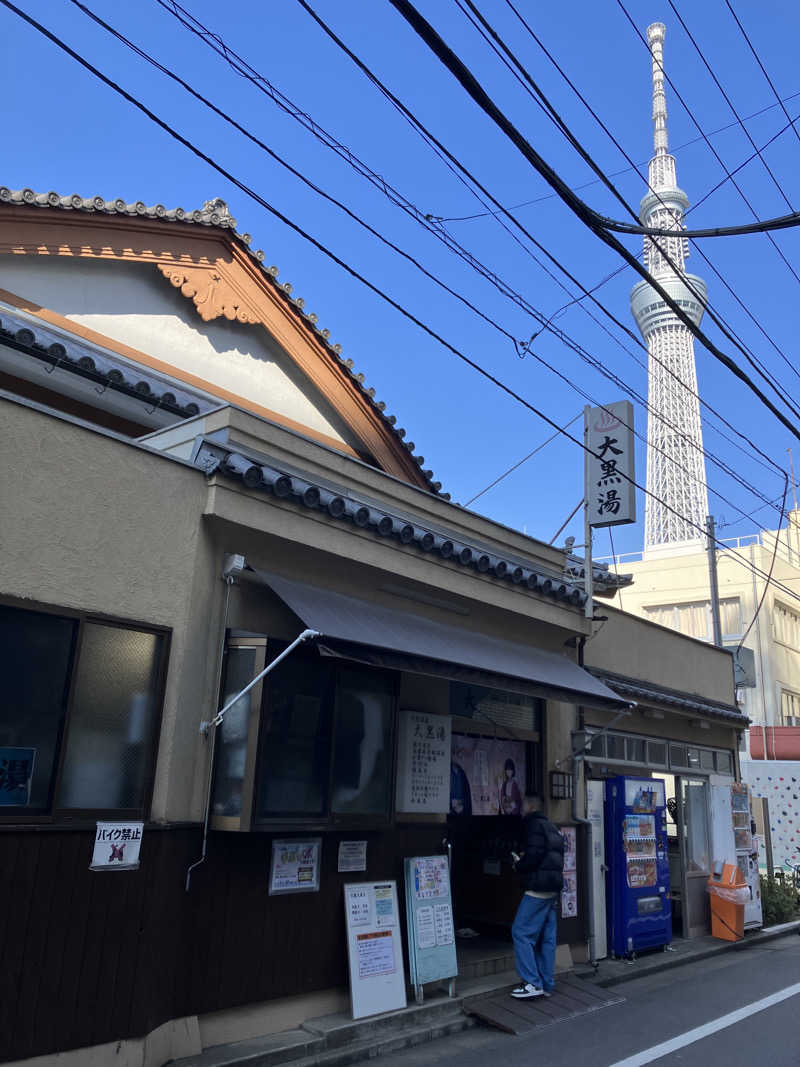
(728, 893)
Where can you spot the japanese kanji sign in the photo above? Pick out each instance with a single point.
(610, 492)
(116, 846)
(423, 767)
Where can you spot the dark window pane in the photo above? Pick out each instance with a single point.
(598, 745)
(677, 756)
(114, 708)
(707, 761)
(35, 654)
(295, 739)
(657, 753)
(362, 744)
(635, 750)
(615, 746)
(694, 757)
(724, 763)
(240, 668)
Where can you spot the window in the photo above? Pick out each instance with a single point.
(786, 625)
(790, 708)
(326, 744)
(82, 699)
(694, 618)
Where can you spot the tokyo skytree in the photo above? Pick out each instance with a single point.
(675, 463)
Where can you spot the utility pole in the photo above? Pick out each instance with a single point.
(711, 548)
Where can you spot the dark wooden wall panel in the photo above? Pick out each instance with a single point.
(91, 957)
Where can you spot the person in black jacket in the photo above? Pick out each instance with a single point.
(541, 869)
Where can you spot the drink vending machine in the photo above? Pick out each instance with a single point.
(638, 897)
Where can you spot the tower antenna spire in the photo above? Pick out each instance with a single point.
(677, 502)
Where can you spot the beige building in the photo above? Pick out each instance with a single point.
(194, 478)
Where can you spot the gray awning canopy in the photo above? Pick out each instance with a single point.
(357, 629)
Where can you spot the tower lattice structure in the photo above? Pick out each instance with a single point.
(677, 500)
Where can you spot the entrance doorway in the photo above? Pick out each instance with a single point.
(689, 844)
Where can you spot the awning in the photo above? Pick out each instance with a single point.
(357, 629)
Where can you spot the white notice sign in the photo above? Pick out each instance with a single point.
(443, 916)
(426, 927)
(295, 866)
(352, 856)
(374, 948)
(609, 466)
(116, 846)
(423, 767)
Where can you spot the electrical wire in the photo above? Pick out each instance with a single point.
(470, 182)
(462, 356)
(771, 567)
(524, 459)
(745, 349)
(585, 355)
(470, 84)
(770, 83)
(522, 75)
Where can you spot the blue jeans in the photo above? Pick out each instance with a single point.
(534, 933)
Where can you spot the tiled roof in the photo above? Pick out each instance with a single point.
(671, 697)
(214, 213)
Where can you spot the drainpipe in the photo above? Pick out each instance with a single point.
(577, 765)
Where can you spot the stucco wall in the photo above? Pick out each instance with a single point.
(94, 524)
(133, 304)
(639, 649)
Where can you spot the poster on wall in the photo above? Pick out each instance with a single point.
(423, 763)
(374, 948)
(352, 856)
(16, 772)
(569, 891)
(295, 866)
(116, 846)
(487, 776)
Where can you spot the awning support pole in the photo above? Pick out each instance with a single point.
(306, 635)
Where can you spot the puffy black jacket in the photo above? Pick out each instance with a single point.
(541, 868)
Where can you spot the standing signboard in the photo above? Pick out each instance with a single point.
(610, 472)
(423, 763)
(429, 913)
(374, 948)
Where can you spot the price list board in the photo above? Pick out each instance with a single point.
(374, 948)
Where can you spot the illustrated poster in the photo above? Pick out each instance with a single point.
(487, 776)
(295, 866)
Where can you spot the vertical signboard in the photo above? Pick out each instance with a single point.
(429, 913)
(423, 763)
(569, 892)
(610, 470)
(374, 948)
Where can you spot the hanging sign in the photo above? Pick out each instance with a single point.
(374, 948)
(116, 846)
(610, 470)
(429, 912)
(423, 767)
(352, 856)
(295, 866)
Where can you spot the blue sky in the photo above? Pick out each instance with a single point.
(62, 130)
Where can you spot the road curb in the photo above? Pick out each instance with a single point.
(664, 962)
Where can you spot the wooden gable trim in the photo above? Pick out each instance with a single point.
(221, 279)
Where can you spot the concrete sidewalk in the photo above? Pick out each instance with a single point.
(611, 972)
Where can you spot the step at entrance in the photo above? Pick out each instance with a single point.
(572, 997)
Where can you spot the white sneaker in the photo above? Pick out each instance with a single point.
(526, 991)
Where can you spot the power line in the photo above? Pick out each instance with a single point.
(737, 340)
(468, 179)
(627, 170)
(533, 89)
(457, 68)
(195, 150)
(780, 102)
(585, 355)
(524, 459)
(771, 567)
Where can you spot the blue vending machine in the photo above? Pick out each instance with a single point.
(638, 894)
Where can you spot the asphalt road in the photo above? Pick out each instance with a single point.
(679, 1006)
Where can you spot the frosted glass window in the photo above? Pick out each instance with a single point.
(692, 619)
(232, 733)
(730, 614)
(786, 625)
(362, 744)
(790, 708)
(114, 707)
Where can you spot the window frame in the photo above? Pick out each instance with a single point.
(82, 817)
(791, 693)
(779, 606)
(329, 820)
(708, 637)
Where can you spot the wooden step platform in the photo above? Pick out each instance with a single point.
(572, 997)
